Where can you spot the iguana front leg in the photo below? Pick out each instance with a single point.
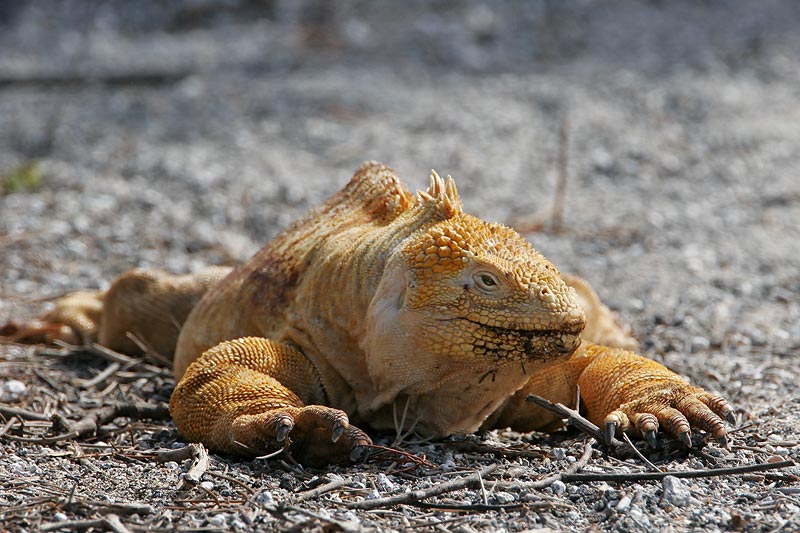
(620, 391)
(252, 396)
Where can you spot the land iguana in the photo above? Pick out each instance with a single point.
(375, 304)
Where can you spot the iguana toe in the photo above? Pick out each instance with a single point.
(284, 425)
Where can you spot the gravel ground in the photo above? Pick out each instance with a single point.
(182, 134)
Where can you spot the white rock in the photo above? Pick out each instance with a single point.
(12, 390)
(265, 498)
(218, 520)
(559, 454)
(638, 516)
(503, 497)
(675, 492)
(624, 504)
(384, 483)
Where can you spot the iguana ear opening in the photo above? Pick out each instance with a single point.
(443, 195)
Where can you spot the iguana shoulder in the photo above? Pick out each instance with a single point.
(257, 297)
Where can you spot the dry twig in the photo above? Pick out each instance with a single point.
(322, 489)
(417, 495)
(640, 476)
(574, 419)
(22, 414)
(89, 424)
(195, 451)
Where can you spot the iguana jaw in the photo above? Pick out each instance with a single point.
(528, 344)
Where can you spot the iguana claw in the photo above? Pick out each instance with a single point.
(611, 429)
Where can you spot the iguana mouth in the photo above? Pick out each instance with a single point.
(504, 343)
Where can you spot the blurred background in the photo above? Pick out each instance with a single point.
(176, 134)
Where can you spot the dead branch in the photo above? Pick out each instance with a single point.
(89, 425)
(96, 349)
(78, 525)
(417, 495)
(480, 507)
(322, 489)
(194, 451)
(641, 456)
(572, 469)
(113, 508)
(641, 476)
(22, 414)
(149, 350)
(113, 523)
(469, 507)
(551, 219)
(8, 425)
(574, 419)
(109, 371)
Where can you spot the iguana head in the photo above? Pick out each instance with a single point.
(465, 311)
(479, 291)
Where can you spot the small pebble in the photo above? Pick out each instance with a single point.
(384, 483)
(675, 492)
(640, 518)
(12, 390)
(218, 520)
(503, 498)
(237, 523)
(559, 454)
(558, 487)
(623, 504)
(265, 498)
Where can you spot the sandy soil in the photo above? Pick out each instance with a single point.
(181, 134)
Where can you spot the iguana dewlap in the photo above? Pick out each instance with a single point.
(383, 308)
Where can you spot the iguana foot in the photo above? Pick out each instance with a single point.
(627, 392)
(315, 435)
(675, 407)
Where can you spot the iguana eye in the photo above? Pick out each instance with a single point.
(486, 281)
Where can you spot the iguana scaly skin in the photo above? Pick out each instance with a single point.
(382, 308)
